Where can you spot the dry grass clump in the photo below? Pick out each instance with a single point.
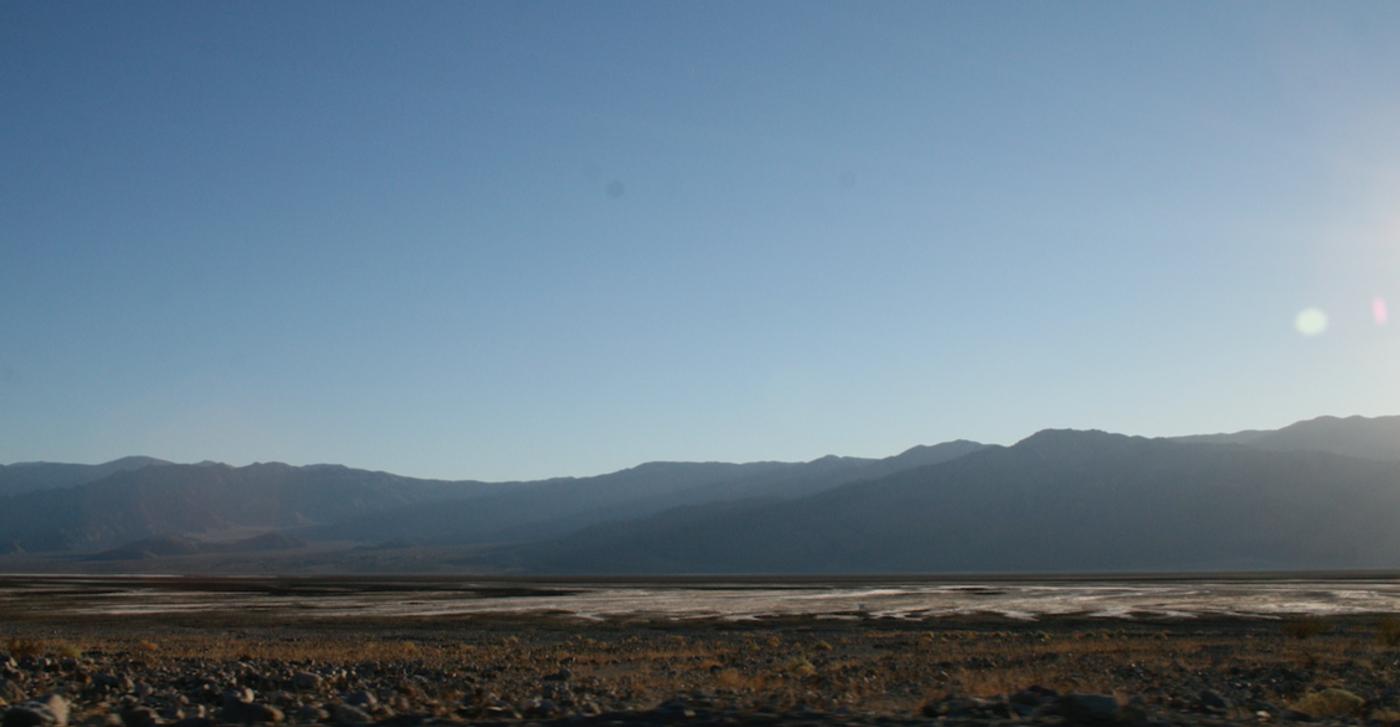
(1388, 631)
(19, 647)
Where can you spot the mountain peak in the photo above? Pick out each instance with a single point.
(1062, 437)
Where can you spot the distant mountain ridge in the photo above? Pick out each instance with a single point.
(1319, 493)
(1063, 501)
(24, 477)
(330, 502)
(1375, 438)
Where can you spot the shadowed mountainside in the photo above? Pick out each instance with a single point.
(1316, 494)
(1057, 501)
(535, 510)
(25, 477)
(170, 545)
(330, 502)
(206, 499)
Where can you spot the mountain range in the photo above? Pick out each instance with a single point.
(1319, 494)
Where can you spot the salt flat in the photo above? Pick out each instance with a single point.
(694, 598)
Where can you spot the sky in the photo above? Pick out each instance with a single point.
(532, 239)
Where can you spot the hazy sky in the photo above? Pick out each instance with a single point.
(517, 240)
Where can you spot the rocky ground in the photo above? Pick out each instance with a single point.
(143, 672)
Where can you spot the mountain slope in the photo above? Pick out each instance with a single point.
(207, 499)
(25, 477)
(535, 510)
(330, 502)
(1057, 501)
(1370, 438)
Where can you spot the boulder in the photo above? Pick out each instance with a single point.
(348, 714)
(1084, 707)
(1214, 701)
(10, 693)
(251, 713)
(50, 710)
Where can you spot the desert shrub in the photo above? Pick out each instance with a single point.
(147, 646)
(68, 650)
(1388, 631)
(732, 679)
(19, 647)
(821, 646)
(1307, 627)
(1330, 702)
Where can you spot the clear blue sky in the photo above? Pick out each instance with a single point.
(518, 240)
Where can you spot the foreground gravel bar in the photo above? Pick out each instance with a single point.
(199, 671)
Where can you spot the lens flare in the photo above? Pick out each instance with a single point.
(1378, 310)
(1310, 322)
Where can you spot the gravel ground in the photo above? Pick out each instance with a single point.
(974, 671)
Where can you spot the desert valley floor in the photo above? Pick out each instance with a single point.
(207, 651)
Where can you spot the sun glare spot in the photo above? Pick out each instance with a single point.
(1378, 310)
(1310, 322)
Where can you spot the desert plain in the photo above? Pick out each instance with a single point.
(200, 667)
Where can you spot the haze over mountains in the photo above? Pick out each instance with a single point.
(1319, 494)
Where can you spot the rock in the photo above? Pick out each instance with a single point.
(11, 693)
(139, 717)
(501, 712)
(1213, 700)
(360, 699)
(955, 706)
(238, 696)
(349, 714)
(675, 708)
(1084, 707)
(558, 692)
(1034, 696)
(541, 708)
(306, 681)
(1025, 702)
(50, 710)
(310, 713)
(251, 713)
(114, 682)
